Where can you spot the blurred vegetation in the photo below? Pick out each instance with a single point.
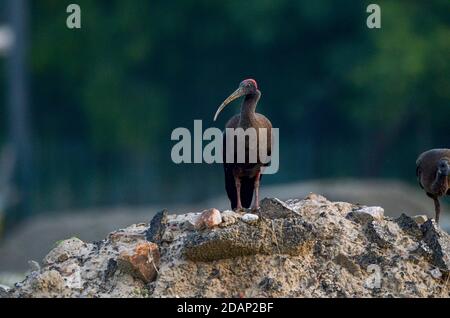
(349, 101)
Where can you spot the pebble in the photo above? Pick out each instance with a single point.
(436, 273)
(208, 219)
(250, 218)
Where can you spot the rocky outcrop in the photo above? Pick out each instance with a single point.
(298, 248)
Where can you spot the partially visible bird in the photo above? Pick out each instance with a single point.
(433, 169)
(242, 179)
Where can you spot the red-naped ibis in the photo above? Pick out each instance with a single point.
(243, 178)
(433, 169)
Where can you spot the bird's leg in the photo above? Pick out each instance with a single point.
(437, 209)
(237, 181)
(255, 207)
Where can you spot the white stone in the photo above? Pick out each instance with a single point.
(250, 218)
(375, 211)
(436, 273)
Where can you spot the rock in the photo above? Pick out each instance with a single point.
(208, 219)
(275, 209)
(50, 282)
(371, 257)
(71, 273)
(190, 224)
(250, 218)
(366, 214)
(270, 284)
(420, 219)
(393, 228)
(229, 217)
(439, 242)
(215, 273)
(110, 269)
(409, 225)
(287, 236)
(126, 237)
(376, 234)
(423, 250)
(348, 264)
(34, 266)
(157, 227)
(436, 273)
(343, 207)
(316, 197)
(65, 250)
(375, 211)
(4, 292)
(190, 221)
(297, 248)
(143, 263)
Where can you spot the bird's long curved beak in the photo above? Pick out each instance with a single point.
(236, 94)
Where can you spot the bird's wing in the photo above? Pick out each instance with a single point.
(264, 121)
(419, 168)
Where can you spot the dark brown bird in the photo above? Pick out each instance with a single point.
(433, 169)
(242, 177)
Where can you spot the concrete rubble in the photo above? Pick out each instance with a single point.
(298, 248)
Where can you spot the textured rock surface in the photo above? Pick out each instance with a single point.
(157, 227)
(4, 292)
(439, 243)
(143, 263)
(298, 248)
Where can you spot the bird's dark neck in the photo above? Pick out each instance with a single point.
(440, 184)
(248, 109)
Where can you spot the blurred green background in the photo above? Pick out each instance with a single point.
(103, 100)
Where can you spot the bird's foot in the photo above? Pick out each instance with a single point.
(255, 209)
(240, 210)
